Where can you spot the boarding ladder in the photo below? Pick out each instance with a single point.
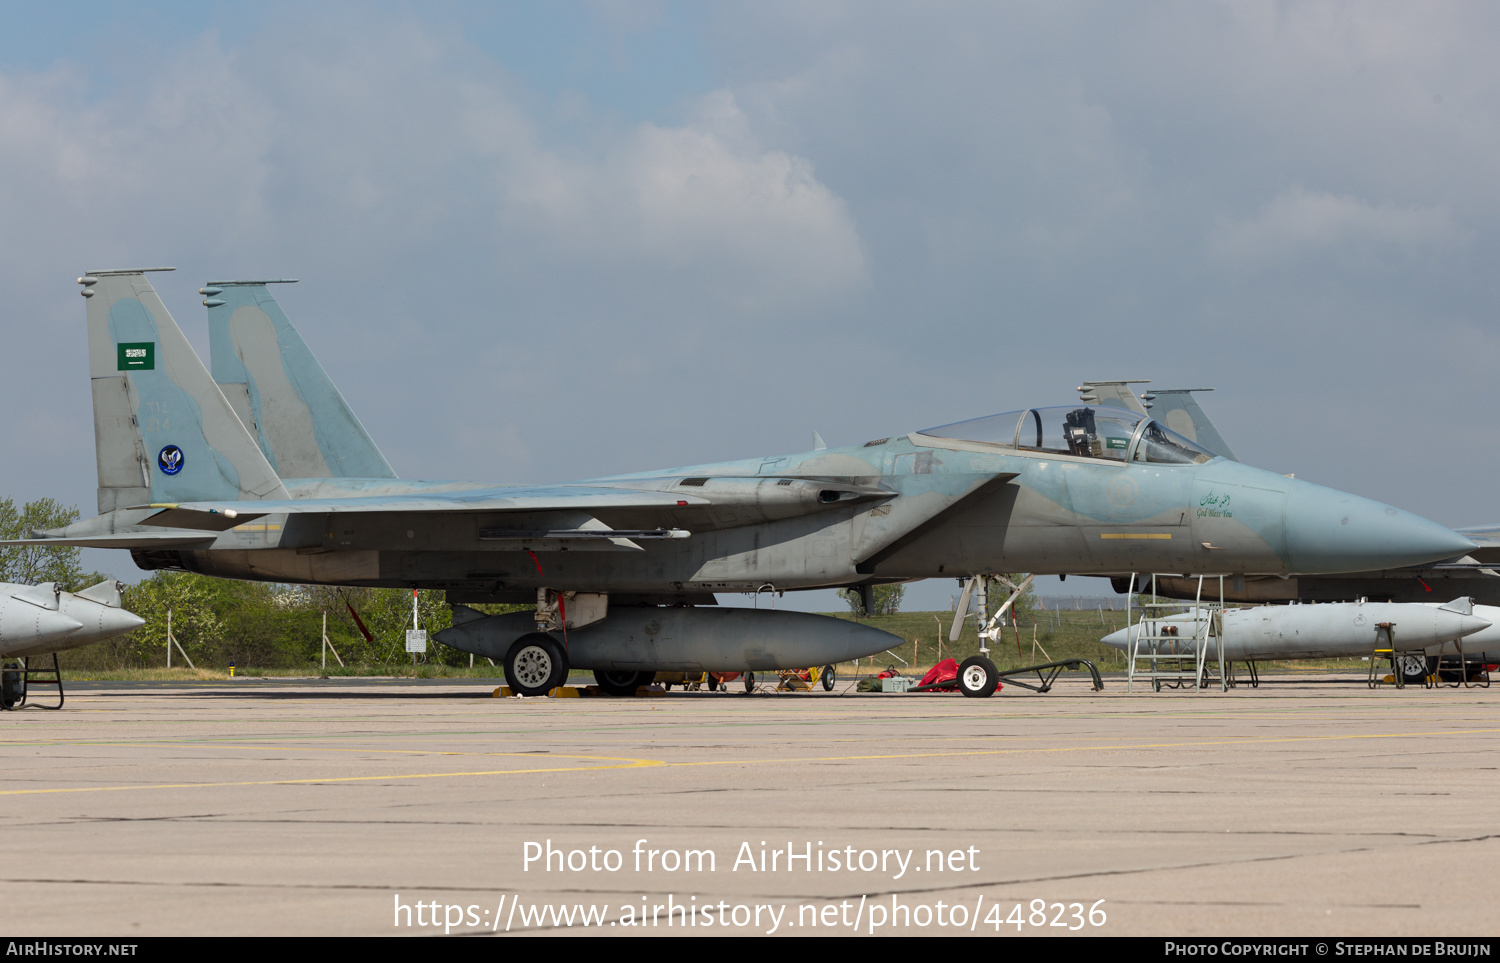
(1180, 651)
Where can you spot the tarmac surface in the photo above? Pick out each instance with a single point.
(330, 807)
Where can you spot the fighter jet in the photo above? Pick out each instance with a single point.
(1475, 575)
(629, 563)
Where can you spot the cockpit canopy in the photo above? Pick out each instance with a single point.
(1086, 431)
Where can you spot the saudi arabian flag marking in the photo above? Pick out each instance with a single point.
(137, 355)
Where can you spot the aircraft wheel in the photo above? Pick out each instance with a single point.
(1416, 667)
(749, 681)
(827, 678)
(12, 685)
(619, 682)
(535, 665)
(978, 677)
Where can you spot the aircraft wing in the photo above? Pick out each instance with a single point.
(685, 504)
(1487, 537)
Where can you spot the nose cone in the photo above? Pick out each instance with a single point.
(1329, 531)
(99, 621)
(118, 622)
(1468, 625)
(1118, 639)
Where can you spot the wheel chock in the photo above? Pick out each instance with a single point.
(561, 692)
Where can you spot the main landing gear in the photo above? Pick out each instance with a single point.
(535, 665)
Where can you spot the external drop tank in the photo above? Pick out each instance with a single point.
(684, 639)
(1331, 630)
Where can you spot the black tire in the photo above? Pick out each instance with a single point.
(619, 682)
(12, 685)
(749, 681)
(827, 678)
(977, 677)
(535, 665)
(1416, 667)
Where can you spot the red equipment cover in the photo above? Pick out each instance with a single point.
(944, 671)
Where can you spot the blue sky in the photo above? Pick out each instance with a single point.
(548, 241)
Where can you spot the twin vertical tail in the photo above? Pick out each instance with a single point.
(281, 393)
(163, 432)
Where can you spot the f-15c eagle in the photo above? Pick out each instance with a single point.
(261, 471)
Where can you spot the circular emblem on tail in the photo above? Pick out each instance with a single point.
(170, 460)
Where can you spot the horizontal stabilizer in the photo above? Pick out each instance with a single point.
(209, 521)
(177, 539)
(1487, 540)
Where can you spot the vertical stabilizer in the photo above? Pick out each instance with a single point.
(1178, 410)
(163, 431)
(282, 394)
(1115, 394)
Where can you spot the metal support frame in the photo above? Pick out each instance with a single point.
(38, 676)
(1386, 630)
(1044, 681)
(1056, 668)
(1463, 669)
(1174, 660)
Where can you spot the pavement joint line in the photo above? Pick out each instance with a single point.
(627, 763)
(624, 764)
(665, 725)
(229, 743)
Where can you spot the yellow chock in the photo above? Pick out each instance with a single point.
(503, 692)
(1388, 680)
(564, 692)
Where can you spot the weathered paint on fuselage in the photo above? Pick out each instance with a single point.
(957, 508)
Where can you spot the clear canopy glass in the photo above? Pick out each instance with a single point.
(991, 430)
(1086, 431)
(1162, 446)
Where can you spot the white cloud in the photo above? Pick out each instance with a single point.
(1299, 221)
(385, 135)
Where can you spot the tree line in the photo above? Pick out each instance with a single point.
(218, 621)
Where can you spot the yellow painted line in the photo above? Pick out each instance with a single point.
(623, 764)
(1135, 534)
(215, 745)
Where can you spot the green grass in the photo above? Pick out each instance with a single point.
(1058, 636)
